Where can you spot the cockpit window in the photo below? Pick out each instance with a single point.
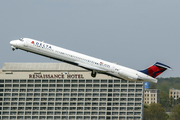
(21, 39)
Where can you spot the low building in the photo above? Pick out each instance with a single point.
(64, 92)
(151, 96)
(174, 93)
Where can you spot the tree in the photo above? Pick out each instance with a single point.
(154, 112)
(175, 114)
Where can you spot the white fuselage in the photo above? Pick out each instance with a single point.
(90, 63)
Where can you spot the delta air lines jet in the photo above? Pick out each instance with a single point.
(93, 64)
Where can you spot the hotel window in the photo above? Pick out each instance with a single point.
(52, 85)
(103, 81)
(130, 90)
(36, 90)
(8, 85)
(52, 81)
(103, 85)
(103, 94)
(102, 99)
(74, 81)
(29, 90)
(44, 90)
(22, 81)
(30, 81)
(51, 94)
(116, 85)
(58, 99)
(74, 85)
(37, 81)
(66, 90)
(109, 90)
(44, 81)
(96, 81)
(21, 95)
(15, 81)
(81, 81)
(50, 99)
(103, 90)
(15, 90)
(73, 90)
(66, 94)
(116, 81)
(88, 94)
(43, 108)
(95, 95)
(35, 108)
(51, 90)
(22, 85)
(81, 85)
(110, 81)
(6, 99)
(88, 81)
(59, 81)
(131, 85)
(81, 90)
(30, 85)
(88, 85)
(7, 90)
(8, 81)
(57, 113)
(66, 81)
(95, 90)
(80, 99)
(88, 90)
(14, 94)
(58, 94)
(44, 85)
(35, 103)
(15, 85)
(59, 90)
(96, 85)
(37, 85)
(66, 85)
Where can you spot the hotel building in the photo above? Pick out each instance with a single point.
(59, 91)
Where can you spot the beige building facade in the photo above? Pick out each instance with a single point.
(59, 91)
(174, 93)
(151, 96)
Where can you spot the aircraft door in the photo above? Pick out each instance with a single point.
(26, 43)
(113, 69)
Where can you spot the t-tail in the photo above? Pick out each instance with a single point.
(155, 69)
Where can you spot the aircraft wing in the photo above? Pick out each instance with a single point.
(90, 67)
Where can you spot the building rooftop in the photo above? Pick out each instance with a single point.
(40, 67)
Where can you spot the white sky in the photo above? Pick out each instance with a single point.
(132, 33)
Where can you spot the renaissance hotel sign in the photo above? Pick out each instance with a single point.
(55, 76)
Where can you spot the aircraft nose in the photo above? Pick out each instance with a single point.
(13, 43)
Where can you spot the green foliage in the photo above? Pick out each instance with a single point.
(154, 112)
(164, 99)
(164, 84)
(175, 114)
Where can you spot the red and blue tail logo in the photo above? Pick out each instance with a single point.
(155, 69)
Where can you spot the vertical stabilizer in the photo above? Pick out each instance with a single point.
(155, 69)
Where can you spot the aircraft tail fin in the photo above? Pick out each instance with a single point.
(156, 69)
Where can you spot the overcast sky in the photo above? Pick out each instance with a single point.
(132, 33)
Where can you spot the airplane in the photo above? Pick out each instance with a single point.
(90, 63)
